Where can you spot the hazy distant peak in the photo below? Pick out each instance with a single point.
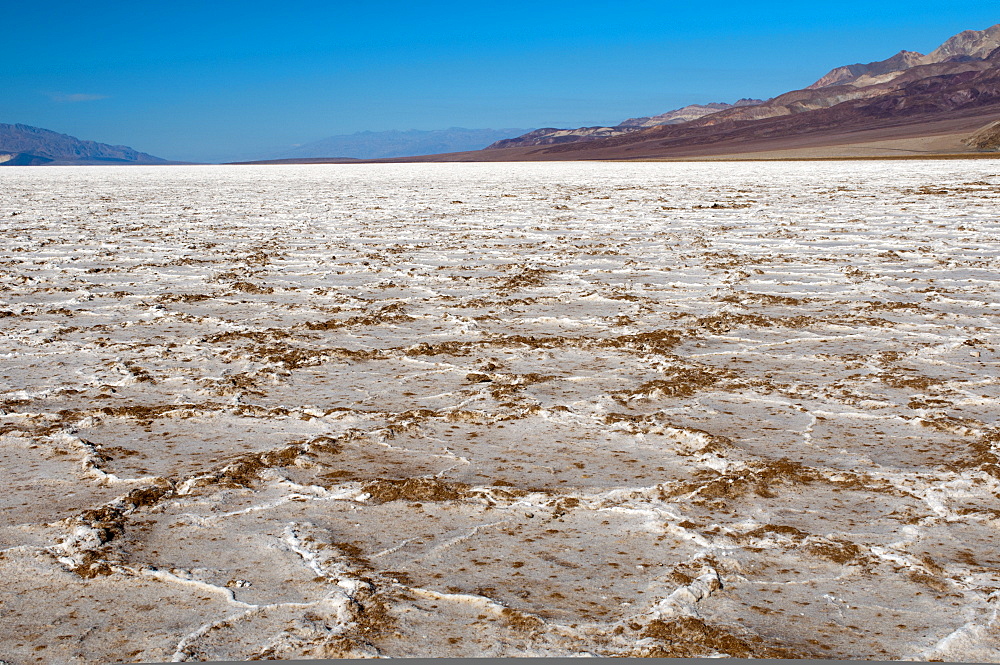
(398, 143)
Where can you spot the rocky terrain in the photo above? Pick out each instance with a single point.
(987, 138)
(23, 145)
(634, 409)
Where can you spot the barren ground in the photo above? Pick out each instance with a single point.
(500, 410)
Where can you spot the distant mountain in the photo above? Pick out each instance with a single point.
(24, 145)
(379, 145)
(948, 95)
(965, 55)
(553, 136)
(946, 103)
(961, 76)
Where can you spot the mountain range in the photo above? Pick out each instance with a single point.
(946, 102)
(952, 88)
(24, 145)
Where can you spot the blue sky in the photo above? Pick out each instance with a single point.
(226, 80)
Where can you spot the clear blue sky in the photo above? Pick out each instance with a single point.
(220, 80)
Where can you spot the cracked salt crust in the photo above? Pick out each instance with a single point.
(593, 409)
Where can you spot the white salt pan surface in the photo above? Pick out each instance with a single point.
(500, 410)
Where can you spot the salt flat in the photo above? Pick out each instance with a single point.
(500, 410)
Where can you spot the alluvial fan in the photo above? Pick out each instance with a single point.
(684, 410)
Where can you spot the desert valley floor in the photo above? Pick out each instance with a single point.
(500, 410)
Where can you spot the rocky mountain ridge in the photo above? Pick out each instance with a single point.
(969, 45)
